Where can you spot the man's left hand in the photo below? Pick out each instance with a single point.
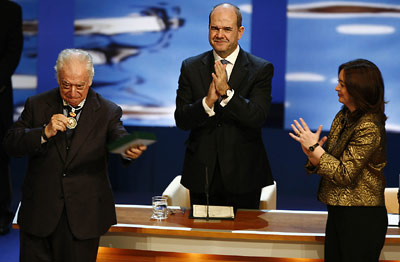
(135, 151)
(219, 78)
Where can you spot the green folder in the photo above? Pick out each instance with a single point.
(136, 138)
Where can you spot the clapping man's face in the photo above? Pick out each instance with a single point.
(224, 32)
(74, 81)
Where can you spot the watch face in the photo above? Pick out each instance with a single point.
(312, 148)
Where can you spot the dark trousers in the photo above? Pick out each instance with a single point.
(5, 189)
(6, 120)
(219, 196)
(61, 245)
(355, 233)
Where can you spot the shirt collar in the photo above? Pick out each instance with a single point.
(80, 104)
(231, 58)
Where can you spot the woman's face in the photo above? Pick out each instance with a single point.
(344, 96)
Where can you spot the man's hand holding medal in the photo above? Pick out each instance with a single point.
(58, 122)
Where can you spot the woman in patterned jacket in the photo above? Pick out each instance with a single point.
(351, 165)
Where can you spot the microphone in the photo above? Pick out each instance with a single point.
(206, 189)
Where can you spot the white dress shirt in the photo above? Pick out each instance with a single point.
(229, 67)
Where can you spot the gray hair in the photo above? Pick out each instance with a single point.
(82, 55)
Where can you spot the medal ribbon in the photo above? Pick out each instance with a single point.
(72, 113)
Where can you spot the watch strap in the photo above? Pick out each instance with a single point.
(312, 148)
(45, 138)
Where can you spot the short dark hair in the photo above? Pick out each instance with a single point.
(364, 83)
(237, 11)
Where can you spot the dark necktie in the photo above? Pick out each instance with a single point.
(72, 113)
(225, 62)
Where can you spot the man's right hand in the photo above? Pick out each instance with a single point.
(212, 95)
(58, 122)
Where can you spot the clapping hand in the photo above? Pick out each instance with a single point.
(220, 78)
(306, 137)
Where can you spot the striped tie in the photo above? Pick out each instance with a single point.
(225, 62)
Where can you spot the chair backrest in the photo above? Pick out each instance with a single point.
(268, 197)
(178, 195)
(391, 200)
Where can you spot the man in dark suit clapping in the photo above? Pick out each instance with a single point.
(11, 41)
(67, 201)
(223, 98)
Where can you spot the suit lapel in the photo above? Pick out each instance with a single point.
(239, 71)
(340, 138)
(206, 70)
(55, 107)
(85, 124)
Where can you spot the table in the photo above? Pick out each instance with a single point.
(259, 233)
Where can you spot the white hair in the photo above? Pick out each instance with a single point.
(82, 55)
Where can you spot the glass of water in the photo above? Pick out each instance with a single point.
(160, 207)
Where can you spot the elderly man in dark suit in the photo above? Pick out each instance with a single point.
(11, 41)
(223, 98)
(67, 201)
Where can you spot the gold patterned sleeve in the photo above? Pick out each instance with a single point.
(348, 165)
(310, 168)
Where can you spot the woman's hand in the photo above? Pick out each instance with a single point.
(307, 139)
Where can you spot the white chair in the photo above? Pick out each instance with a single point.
(178, 195)
(268, 197)
(391, 201)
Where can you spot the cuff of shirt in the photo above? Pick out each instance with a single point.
(225, 101)
(210, 111)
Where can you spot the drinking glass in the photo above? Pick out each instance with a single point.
(160, 207)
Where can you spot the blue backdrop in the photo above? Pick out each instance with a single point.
(163, 160)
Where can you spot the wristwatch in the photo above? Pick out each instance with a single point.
(44, 134)
(312, 148)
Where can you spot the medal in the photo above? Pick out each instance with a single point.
(74, 111)
(71, 123)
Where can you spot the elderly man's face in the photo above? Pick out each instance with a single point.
(223, 33)
(74, 81)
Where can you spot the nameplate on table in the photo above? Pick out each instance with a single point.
(214, 212)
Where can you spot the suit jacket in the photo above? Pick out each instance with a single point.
(352, 166)
(233, 134)
(76, 180)
(10, 51)
(11, 41)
